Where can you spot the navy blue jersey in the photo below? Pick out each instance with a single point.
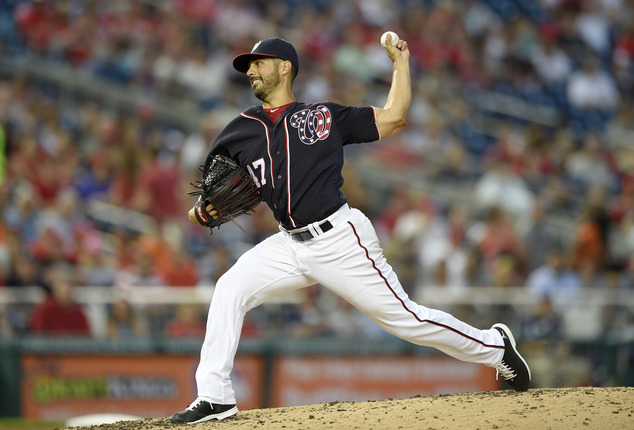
(297, 162)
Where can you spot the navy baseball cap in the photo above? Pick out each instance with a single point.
(273, 47)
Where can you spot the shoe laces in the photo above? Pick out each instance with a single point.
(195, 404)
(506, 372)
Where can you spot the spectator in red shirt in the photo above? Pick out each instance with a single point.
(160, 189)
(59, 314)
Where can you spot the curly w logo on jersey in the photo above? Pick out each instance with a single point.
(312, 125)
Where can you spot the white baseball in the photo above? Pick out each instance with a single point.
(395, 38)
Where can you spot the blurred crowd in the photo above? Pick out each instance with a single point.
(535, 189)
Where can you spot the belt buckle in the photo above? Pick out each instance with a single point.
(302, 236)
(325, 226)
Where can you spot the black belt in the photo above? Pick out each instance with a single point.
(301, 236)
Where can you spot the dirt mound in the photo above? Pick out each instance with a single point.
(565, 408)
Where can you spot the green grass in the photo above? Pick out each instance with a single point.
(24, 424)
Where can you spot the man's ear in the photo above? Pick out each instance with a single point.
(286, 67)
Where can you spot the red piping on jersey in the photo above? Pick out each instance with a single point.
(387, 284)
(288, 173)
(268, 143)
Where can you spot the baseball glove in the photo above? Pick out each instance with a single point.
(228, 188)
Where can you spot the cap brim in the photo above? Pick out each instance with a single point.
(241, 62)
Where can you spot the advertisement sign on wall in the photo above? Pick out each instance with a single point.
(155, 385)
(60, 386)
(304, 380)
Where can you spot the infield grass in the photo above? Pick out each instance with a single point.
(24, 424)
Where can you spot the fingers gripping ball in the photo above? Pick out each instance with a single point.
(228, 188)
(394, 40)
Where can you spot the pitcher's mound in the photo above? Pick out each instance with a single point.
(564, 408)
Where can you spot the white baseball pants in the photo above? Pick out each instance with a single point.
(347, 260)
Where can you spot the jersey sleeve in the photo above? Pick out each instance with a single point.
(223, 141)
(235, 136)
(355, 124)
(226, 142)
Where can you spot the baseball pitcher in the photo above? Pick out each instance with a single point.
(293, 152)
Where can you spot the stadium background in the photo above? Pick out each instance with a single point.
(518, 158)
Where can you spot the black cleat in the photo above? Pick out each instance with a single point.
(513, 367)
(201, 411)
